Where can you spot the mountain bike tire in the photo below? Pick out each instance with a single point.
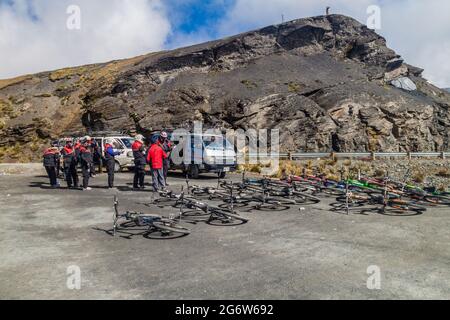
(164, 231)
(398, 207)
(307, 198)
(438, 199)
(222, 217)
(271, 207)
(330, 191)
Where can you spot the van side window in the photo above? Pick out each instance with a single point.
(116, 144)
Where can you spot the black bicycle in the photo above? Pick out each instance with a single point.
(158, 227)
(201, 211)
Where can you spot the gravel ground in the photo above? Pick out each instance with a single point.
(302, 253)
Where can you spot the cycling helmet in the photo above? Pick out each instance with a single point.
(155, 139)
(139, 138)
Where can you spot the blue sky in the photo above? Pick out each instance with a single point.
(191, 17)
(34, 36)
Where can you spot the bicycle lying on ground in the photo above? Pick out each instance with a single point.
(210, 214)
(158, 227)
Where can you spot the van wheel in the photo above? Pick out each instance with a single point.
(222, 175)
(194, 171)
(117, 167)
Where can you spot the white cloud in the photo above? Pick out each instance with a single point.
(113, 29)
(250, 14)
(417, 30)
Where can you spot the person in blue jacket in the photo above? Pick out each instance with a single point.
(110, 155)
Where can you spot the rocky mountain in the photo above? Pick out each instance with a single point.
(328, 82)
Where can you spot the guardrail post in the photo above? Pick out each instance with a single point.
(443, 155)
(333, 156)
(409, 156)
(372, 155)
(290, 156)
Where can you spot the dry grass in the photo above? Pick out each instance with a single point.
(14, 152)
(294, 87)
(330, 168)
(418, 177)
(6, 111)
(9, 82)
(379, 173)
(443, 172)
(249, 84)
(6, 107)
(254, 168)
(288, 168)
(347, 163)
(67, 73)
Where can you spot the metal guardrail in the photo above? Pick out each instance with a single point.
(354, 155)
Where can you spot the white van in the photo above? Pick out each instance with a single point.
(209, 153)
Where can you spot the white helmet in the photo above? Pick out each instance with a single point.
(108, 141)
(87, 138)
(139, 138)
(164, 135)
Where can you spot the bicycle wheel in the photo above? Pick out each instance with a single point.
(203, 193)
(438, 200)
(165, 202)
(281, 201)
(167, 230)
(195, 216)
(304, 198)
(223, 217)
(271, 206)
(330, 191)
(399, 207)
(361, 198)
(239, 203)
(232, 186)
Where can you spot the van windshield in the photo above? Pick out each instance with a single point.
(128, 142)
(217, 143)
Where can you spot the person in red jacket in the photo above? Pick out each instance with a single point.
(155, 158)
(70, 161)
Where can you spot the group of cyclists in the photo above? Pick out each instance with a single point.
(81, 153)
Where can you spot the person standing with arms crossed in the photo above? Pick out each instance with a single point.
(166, 145)
(155, 158)
(139, 162)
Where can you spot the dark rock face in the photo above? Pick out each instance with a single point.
(325, 82)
